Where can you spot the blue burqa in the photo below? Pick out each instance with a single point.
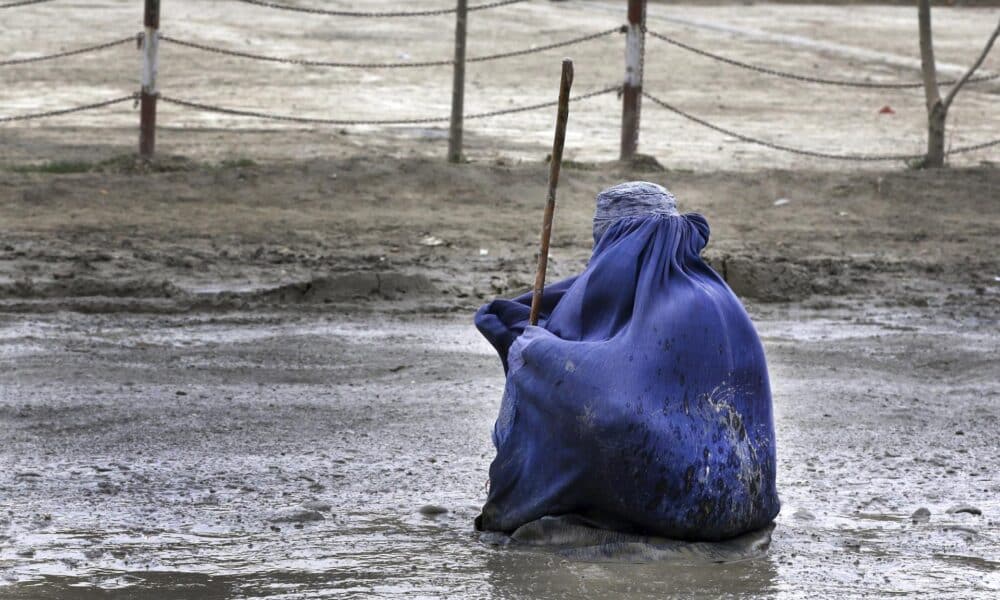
(640, 402)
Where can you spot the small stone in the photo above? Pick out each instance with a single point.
(295, 515)
(432, 510)
(965, 508)
(106, 487)
(430, 240)
(209, 500)
(921, 515)
(804, 515)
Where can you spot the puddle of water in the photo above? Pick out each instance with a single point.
(155, 495)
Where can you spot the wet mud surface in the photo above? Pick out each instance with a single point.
(248, 370)
(261, 380)
(372, 233)
(283, 454)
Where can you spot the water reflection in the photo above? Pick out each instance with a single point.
(681, 570)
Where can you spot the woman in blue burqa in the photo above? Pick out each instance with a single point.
(641, 402)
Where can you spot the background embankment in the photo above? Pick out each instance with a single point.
(381, 233)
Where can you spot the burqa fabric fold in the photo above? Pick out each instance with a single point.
(641, 401)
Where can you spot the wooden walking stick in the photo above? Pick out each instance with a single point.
(550, 204)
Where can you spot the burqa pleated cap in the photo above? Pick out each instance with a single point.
(632, 199)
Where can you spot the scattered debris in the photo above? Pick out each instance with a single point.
(781, 201)
(965, 508)
(921, 515)
(317, 505)
(295, 515)
(430, 240)
(804, 515)
(432, 510)
(208, 500)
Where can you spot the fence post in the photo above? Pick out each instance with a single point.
(458, 84)
(635, 39)
(147, 97)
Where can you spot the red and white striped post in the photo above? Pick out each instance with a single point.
(147, 97)
(635, 39)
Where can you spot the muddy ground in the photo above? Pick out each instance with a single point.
(148, 457)
(243, 370)
(192, 351)
(376, 233)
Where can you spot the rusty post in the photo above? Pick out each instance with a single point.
(565, 83)
(458, 84)
(148, 94)
(635, 39)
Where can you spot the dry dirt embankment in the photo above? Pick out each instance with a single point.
(400, 234)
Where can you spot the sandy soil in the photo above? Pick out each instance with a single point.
(857, 42)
